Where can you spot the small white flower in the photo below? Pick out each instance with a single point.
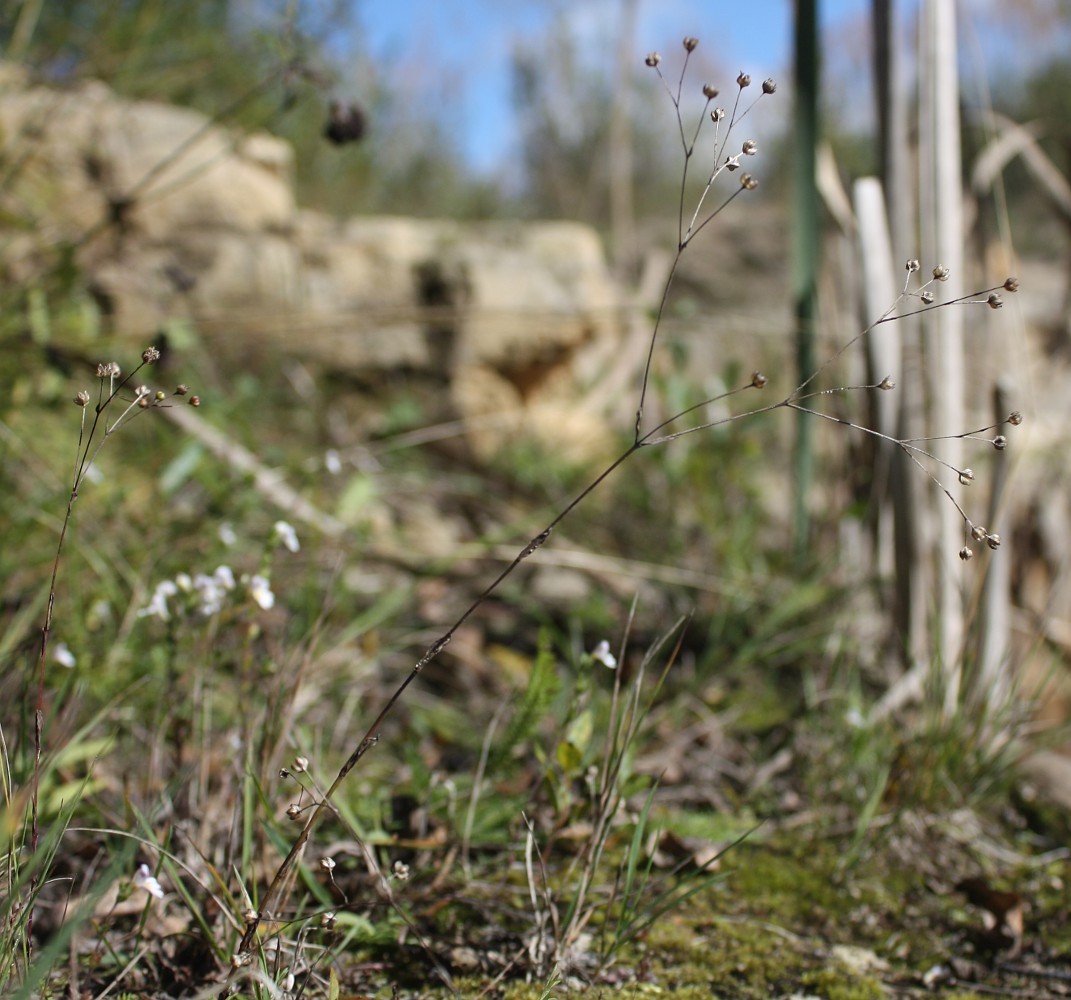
(601, 654)
(211, 592)
(332, 462)
(157, 607)
(184, 582)
(144, 879)
(227, 535)
(855, 718)
(286, 534)
(401, 871)
(99, 613)
(260, 591)
(224, 576)
(62, 654)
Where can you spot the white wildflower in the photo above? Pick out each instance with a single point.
(286, 534)
(144, 879)
(99, 614)
(227, 535)
(62, 654)
(260, 591)
(601, 654)
(855, 718)
(211, 593)
(332, 462)
(157, 607)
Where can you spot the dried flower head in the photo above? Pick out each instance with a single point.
(710, 91)
(327, 864)
(927, 297)
(768, 85)
(250, 916)
(1015, 418)
(345, 123)
(652, 59)
(82, 398)
(994, 301)
(1000, 442)
(887, 383)
(966, 477)
(328, 920)
(940, 273)
(749, 183)
(1011, 284)
(301, 764)
(107, 369)
(912, 266)
(993, 540)
(690, 43)
(750, 147)
(758, 380)
(966, 554)
(978, 532)
(717, 115)
(150, 355)
(293, 811)
(743, 80)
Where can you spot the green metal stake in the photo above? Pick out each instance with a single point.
(805, 253)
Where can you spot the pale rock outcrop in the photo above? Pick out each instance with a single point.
(170, 216)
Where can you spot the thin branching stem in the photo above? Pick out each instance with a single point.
(85, 454)
(625, 713)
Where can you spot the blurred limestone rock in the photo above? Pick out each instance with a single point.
(168, 216)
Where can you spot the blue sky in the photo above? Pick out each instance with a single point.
(466, 45)
(454, 55)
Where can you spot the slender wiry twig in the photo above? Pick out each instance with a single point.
(795, 400)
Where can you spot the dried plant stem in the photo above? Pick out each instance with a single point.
(89, 445)
(650, 438)
(658, 435)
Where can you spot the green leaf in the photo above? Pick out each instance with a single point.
(580, 730)
(569, 757)
(180, 468)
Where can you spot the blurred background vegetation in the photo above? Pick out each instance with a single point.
(764, 653)
(231, 57)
